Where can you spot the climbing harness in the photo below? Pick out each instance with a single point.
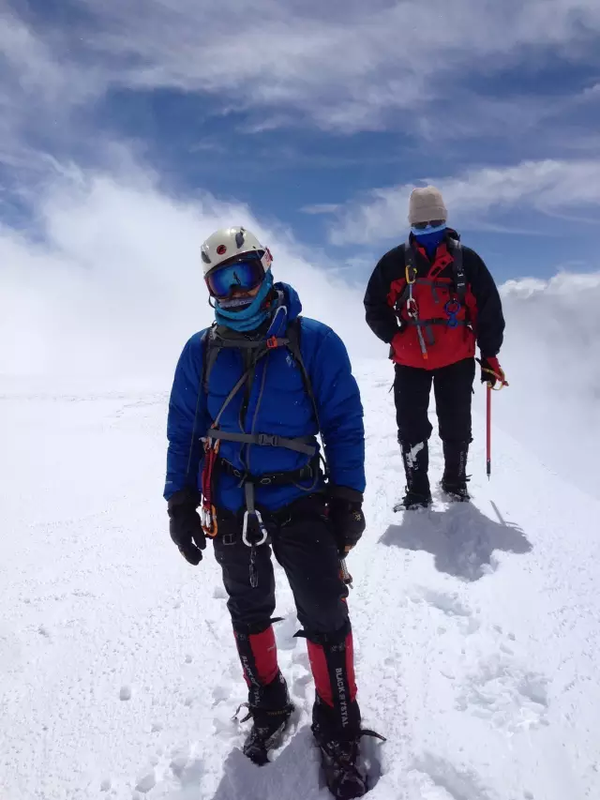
(214, 463)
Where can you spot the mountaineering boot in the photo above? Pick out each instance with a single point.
(336, 715)
(416, 466)
(269, 721)
(269, 704)
(454, 480)
(339, 750)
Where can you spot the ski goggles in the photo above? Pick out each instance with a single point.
(244, 275)
(434, 223)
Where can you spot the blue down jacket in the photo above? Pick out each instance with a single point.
(278, 404)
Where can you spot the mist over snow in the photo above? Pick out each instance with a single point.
(551, 360)
(110, 285)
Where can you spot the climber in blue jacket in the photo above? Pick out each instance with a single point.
(249, 397)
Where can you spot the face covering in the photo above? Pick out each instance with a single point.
(249, 316)
(430, 238)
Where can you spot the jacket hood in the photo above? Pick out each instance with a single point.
(290, 300)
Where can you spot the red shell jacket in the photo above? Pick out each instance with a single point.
(434, 312)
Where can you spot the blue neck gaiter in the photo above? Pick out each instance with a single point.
(431, 238)
(251, 316)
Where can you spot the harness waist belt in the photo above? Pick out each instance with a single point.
(306, 473)
(300, 444)
(434, 282)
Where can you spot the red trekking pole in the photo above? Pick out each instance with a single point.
(489, 432)
(499, 378)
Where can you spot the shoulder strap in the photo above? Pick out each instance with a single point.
(409, 264)
(410, 260)
(458, 269)
(212, 348)
(293, 334)
(293, 345)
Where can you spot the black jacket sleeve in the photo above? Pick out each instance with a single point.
(490, 319)
(381, 318)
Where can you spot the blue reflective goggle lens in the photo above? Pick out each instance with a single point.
(244, 275)
(434, 223)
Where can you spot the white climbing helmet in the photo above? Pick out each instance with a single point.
(231, 243)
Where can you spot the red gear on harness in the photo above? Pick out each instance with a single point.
(208, 512)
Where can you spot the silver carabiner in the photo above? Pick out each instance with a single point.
(412, 308)
(344, 573)
(261, 525)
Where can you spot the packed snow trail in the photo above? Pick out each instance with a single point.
(477, 625)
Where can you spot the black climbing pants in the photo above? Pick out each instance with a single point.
(453, 389)
(302, 541)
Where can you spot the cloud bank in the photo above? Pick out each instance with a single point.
(550, 356)
(549, 187)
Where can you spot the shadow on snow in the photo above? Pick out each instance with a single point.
(461, 538)
(296, 772)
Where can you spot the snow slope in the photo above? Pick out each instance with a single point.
(477, 626)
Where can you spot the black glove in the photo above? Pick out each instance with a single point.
(346, 517)
(185, 526)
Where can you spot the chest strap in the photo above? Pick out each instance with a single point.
(426, 324)
(299, 444)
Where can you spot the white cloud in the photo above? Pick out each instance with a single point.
(548, 187)
(281, 50)
(111, 284)
(342, 66)
(39, 86)
(320, 208)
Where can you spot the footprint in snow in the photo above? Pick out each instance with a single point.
(301, 682)
(458, 784)
(451, 606)
(221, 693)
(146, 782)
(187, 769)
(510, 696)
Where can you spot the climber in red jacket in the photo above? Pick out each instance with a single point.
(433, 300)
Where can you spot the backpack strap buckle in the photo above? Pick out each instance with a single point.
(268, 440)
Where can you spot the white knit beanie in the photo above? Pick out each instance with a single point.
(425, 205)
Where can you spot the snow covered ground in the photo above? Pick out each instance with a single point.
(477, 626)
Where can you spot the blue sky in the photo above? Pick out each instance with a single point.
(320, 117)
